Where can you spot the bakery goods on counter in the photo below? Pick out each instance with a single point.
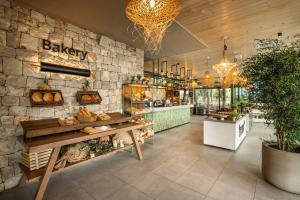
(67, 121)
(103, 117)
(84, 115)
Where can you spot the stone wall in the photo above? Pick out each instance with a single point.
(21, 32)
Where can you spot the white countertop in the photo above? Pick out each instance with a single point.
(158, 109)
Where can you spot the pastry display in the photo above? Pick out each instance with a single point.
(90, 130)
(37, 97)
(57, 97)
(103, 117)
(67, 121)
(48, 97)
(86, 98)
(84, 115)
(95, 98)
(137, 111)
(142, 121)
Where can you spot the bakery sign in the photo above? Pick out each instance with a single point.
(61, 48)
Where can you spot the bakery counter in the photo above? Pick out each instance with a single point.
(168, 117)
(226, 134)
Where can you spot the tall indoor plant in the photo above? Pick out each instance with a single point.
(274, 76)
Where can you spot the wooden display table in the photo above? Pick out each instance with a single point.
(62, 137)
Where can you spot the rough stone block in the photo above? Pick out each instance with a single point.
(17, 110)
(72, 34)
(47, 112)
(12, 66)
(3, 110)
(50, 21)
(13, 39)
(12, 182)
(113, 77)
(29, 42)
(38, 33)
(5, 23)
(18, 81)
(105, 85)
(7, 120)
(14, 91)
(5, 3)
(104, 75)
(10, 101)
(3, 161)
(7, 145)
(2, 91)
(27, 55)
(19, 119)
(24, 101)
(7, 52)
(33, 82)
(32, 69)
(2, 38)
(38, 16)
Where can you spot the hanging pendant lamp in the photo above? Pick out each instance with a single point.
(208, 78)
(224, 67)
(151, 18)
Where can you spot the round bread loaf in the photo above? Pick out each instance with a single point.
(48, 97)
(37, 97)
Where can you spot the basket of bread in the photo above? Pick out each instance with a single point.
(84, 115)
(88, 97)
(46, 97)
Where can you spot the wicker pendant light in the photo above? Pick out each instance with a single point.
(151, 18)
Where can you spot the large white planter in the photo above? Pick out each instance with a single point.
(281, 168)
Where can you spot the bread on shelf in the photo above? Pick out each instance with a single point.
(48, 97)
(37, 97)
(57, 97)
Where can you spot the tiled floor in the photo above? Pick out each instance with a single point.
(177, 166)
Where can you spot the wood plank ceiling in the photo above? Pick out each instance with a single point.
(241, 20)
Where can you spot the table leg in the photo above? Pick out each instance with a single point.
(22, 181)
(136, 146)
(46, 176)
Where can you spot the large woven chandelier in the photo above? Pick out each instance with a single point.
(151, 18)
(224, 67)
(208, 79)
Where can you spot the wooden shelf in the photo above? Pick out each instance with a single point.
(35, 174)
(36, 128)
(56, 140)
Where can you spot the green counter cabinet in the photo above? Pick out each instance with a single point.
(165, 118)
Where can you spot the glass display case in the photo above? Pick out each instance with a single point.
(137, 102)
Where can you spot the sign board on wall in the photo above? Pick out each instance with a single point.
(50, 46)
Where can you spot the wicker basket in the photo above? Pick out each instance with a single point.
(35, 160)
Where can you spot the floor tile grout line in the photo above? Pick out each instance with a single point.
(219, 174)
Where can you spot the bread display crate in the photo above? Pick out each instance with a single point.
(35, 160)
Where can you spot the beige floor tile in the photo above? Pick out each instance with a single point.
(177, 192)
(196, 181)
(128, 193)
(152, 185)
(221, 191)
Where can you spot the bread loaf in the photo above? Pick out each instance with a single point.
(37, 97)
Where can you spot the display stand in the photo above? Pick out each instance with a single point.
(56, 141)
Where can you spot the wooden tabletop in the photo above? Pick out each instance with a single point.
(51, 141)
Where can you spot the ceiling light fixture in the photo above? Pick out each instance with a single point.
(151, 18)
(224, 67)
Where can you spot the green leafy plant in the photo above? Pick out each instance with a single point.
(274, 76)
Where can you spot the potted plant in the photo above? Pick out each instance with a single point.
(274, 75)
(234, 112)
